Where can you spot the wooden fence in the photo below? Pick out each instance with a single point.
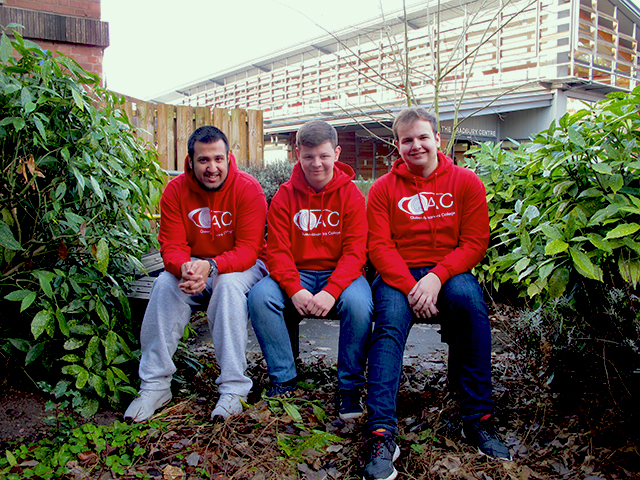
(168, 127)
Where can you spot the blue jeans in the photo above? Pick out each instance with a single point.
(465, 326)
(268, 305)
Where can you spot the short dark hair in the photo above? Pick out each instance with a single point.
(410, 115)
(316, 132)
(206, 134)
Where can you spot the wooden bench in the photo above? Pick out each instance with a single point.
(141, 287)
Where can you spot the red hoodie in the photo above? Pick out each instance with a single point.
(233, 235)
(317, 231)
(439, 221)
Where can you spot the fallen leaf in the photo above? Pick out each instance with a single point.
(193, 459)
(172, 473)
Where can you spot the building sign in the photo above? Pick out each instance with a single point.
(471, 132)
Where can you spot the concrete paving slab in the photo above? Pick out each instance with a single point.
(319, 339)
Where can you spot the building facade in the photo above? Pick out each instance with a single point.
(71, 27)
(507, 69)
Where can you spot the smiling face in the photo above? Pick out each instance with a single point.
(317, 163)
(418, 146)
(210, 164)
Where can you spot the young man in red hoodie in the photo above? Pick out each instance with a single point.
(316, 251)
(211, 235)
(428, 227)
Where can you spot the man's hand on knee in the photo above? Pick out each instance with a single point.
(321, 303)
(194, 276)
(424, 296)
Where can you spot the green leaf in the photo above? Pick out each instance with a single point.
(545, 270)
(111, 346)
(88, 408)
(73, 344)
(603, 168)
(629, 270)
(319, 413)
(7, 240)
(98, 384)
(82, 378)
(616, 182)
(20, 344)
(584, 266)
(71, 358)
(555, 246)
(44, 278)
(119, 373)
(79, 179)
(28, 301)
(77, 97)
(521, 264)
(39, 125)
(62, 322)
(95, 186)
(25, 96)
(551, 231)
(598, 242)
(102, 255)
(622, 230)
(10, 457)
(17, 295)
(34, 352)
(103, 313)
(18, 123)
(41, 322)
(6, 49)
(558, 282)
(293, 411)
(575, 136)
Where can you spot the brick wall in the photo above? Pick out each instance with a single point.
(89, 57)
(76, 8)
(71, 27)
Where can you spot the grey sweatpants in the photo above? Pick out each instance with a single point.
(168, 313)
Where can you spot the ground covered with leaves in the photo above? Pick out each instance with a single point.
(567, 431)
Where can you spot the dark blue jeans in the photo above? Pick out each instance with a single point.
(465, 325)
(268, 305)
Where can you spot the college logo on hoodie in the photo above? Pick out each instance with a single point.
(422, 202)
(309, 220)
(203, 219)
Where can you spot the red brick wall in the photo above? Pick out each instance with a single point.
(76, 8)
(89, 58)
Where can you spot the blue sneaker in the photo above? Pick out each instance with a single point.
(480, 434)
(350, 404)
(283, 390)
(381, 451)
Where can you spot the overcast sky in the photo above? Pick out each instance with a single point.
(159, 45)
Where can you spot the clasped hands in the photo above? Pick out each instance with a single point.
(317, 305)
(424, 296)
(194, 276)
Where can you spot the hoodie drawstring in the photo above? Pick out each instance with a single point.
(432, 224)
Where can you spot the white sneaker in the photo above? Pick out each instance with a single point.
(228, 404)
(146, 404)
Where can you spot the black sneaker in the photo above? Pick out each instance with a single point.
(480, 433)
(283, 390)
(350, 404)
(382, 451)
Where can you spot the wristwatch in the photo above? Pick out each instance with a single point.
(214, 267)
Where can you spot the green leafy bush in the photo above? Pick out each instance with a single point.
(565, 219)
(566, 206)
(271, 176)
(75, 194)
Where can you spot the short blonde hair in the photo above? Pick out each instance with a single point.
(412, 114)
